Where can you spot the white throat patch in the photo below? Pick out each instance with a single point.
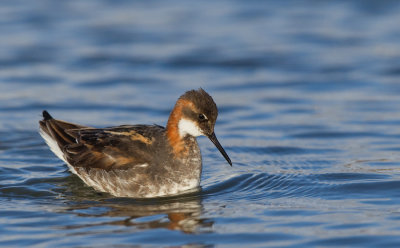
(188, 127)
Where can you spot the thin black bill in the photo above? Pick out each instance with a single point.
(214, 140)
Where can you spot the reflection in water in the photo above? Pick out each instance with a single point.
(175, 213)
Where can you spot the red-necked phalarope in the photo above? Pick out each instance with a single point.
(140, 160)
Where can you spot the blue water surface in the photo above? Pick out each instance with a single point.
(309, 112)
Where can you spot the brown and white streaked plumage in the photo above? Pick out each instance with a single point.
(140, 160)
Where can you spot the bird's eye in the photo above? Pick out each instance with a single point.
(202, 117)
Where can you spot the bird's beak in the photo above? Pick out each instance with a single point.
(214, 140)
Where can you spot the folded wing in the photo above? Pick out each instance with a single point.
(121, 147)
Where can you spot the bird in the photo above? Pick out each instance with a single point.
(139, 161)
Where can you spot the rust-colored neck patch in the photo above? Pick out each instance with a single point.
(174, 139)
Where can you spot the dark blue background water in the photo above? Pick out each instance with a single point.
(309, 99)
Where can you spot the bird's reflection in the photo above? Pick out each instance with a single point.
(176, 213)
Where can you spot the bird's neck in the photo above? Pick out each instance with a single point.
(174, 136)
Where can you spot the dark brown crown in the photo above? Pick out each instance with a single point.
(203, 102)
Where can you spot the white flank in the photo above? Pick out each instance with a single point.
(189, 127)
(55, 148)
(120, 184)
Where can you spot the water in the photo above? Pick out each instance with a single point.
(308, 94)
